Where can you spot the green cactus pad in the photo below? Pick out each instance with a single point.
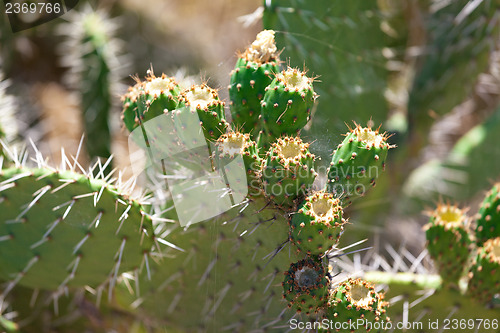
(253, 72)
(448, 241)
(357, 163)
(286, 106)
(484, 275)
(288, 171)
(205, 101)
(138, 103)
(227, 278)
(356, 299)
(60, 228)
(318, 224)
(237, 144)
(488, 218)
(305, 286)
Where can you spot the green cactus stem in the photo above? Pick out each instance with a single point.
(286, 106)
(205, 101)
(288, 171)
(488, 217)
(484, 275)
(318, 224)
(254, 71)
(357, 163)
(356, 299)
(305, 286)
(62, 229)
(448, 241)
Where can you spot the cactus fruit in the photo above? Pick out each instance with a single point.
(234, 144)
(318, 224)
(484, 275)
(305, 286)
(254, 71)
(205, 101)
(60, 228)
(286, 106)
(448, 241)
(356, 299)
(138, 103)
(357, 163)
(288, 171)
(488, 218)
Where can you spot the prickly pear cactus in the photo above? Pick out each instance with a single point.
(449, 244)
(62, 229)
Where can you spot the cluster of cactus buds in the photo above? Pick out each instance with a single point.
(459, 244)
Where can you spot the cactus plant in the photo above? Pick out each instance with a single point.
(225, 273)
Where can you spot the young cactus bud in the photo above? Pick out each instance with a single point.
(488, 218)
(318, 224)
(484, 275)
(205, 101)
(288, 171)
(138, 106)
(448, 241)
(253, 72)
(286, 106)
(305, 286)
(354, 300)
(356, 163)
(237, 144)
